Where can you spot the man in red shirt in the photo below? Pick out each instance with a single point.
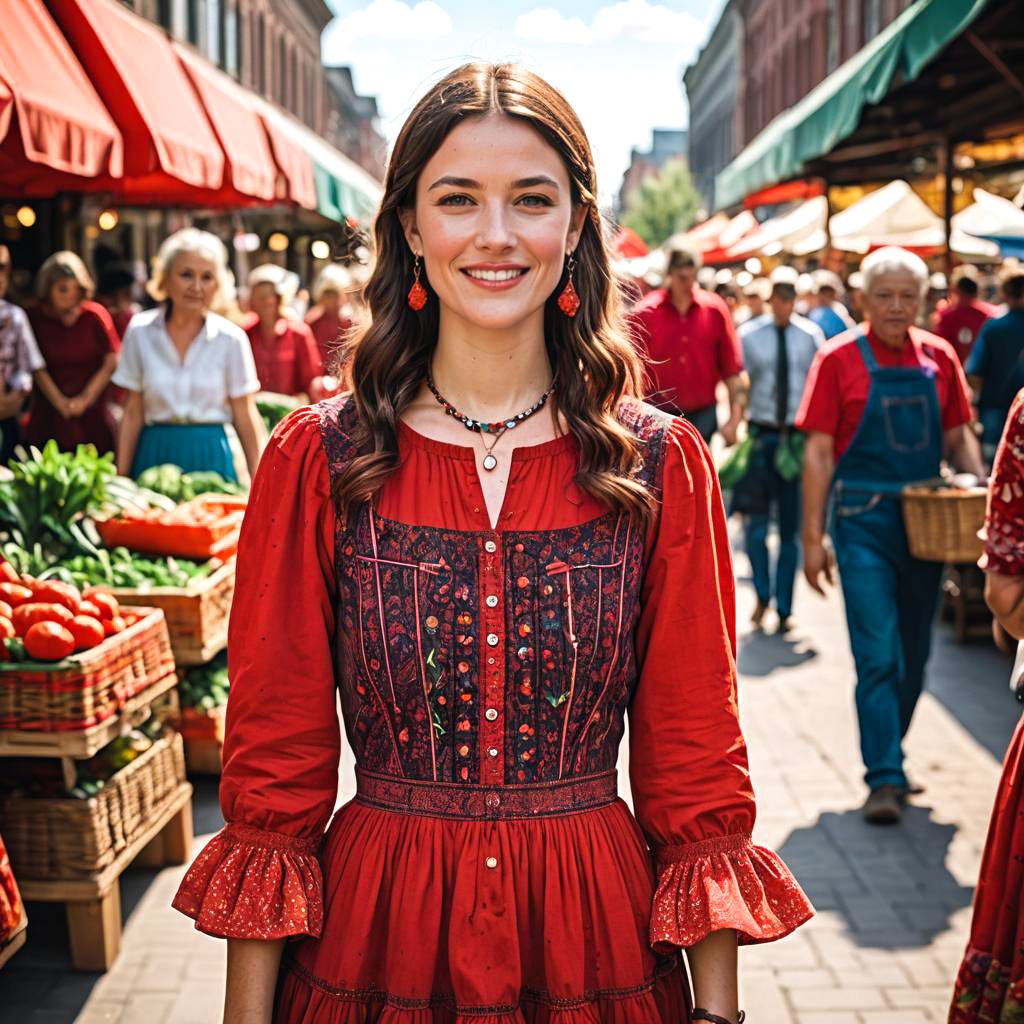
(960, 320)
(688, 337)
(884, 403)
(285, 351)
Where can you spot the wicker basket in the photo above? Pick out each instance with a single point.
(197, 616)
(67, 838)
(90, 687)
(943, 524)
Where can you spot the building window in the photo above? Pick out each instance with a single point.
(833, 29)
(281, 75)
(261, 54)
(211, 44)
(197, 24)
(230, 55)
(163, 13)
(872, 19)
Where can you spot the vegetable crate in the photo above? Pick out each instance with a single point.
(203, 733)
(197, 615)
(89, 688)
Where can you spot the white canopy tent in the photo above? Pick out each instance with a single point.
(800, 231)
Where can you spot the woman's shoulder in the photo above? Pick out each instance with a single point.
(222, 329)
(326, 427)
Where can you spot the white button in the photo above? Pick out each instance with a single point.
(492, 800)
(492, 601)
(493, 752)
(491, 862)
(490, 661)
(490, 714)
(492, 639)
(490, 547)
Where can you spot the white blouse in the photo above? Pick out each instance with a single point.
(218, 366)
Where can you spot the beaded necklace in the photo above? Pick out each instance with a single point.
(498, 428)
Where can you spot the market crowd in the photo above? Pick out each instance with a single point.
(156, 374)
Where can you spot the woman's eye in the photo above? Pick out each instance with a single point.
(455, 200)
(536, 201)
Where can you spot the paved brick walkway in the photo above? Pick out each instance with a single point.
(894, 904)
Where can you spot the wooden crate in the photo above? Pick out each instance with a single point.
(197, 616)
(14, 941)
(93, 904)
(88, 688)
(66, 838)
(203, 733)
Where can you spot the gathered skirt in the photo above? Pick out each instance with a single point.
(431, 920)
(990, 983)
(193, 447)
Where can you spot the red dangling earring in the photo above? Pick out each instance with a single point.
(569, 301)
(417, 293)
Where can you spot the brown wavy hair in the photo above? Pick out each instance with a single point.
(593, 360)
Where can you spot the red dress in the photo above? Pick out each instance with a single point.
(73, 356)
(287, 363)
(990, 984)
(486, 872)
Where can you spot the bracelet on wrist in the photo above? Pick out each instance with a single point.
(699, 1013)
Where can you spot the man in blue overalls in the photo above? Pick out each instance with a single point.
(884, 403)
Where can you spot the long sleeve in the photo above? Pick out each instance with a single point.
(688, 760)
(260, 877)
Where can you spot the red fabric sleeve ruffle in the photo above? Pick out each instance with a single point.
(1004, 519)
(688, 760)
(260, 877)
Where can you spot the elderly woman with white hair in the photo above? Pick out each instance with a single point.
(286, 356)
(188, 372)
(884, 404)
(331, 317)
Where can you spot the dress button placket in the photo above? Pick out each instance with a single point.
(492, 683)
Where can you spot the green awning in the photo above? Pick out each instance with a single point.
(832, 110)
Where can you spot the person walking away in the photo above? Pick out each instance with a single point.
(80, 347)
(187, 371)
(449, 547)
(285, 352)
(995, 367)
(778, 349)
(990, 982)
(960, 319)
(20, 362)
(688, 338)
(883, 404)
(330, 319)
(825, 309)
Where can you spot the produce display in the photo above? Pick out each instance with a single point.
(205, 687)
(120, 567)
(49, 620)
(204, 527)
(171, 482)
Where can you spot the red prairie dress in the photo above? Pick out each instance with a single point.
(990, 984)
(486, 871)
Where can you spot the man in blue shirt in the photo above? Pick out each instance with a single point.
(827, 311)
(995, 367)
(778, 349)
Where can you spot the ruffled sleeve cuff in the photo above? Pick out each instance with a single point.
(252, 884)
(725, 882)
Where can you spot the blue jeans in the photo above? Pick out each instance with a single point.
(786, 500)
(890, 605)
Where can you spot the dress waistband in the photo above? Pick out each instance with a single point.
(486, 803)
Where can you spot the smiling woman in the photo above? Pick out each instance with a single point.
(515, 551)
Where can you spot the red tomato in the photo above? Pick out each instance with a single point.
(26, 615)
(14, 593)
(107, 603)
(87, 631)
(113, 625)
(8, 573)
(6, 628)
(59, 593)
(49, 641)
(87, 607)
(5, 610)
(130, 618)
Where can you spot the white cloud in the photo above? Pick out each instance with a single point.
(627, 19)
(546, 25)
(393, 19)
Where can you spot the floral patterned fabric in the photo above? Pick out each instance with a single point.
(1004, 518)
(486, 870)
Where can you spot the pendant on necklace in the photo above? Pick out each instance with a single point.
(490, 462)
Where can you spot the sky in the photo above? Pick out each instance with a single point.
(619, 62)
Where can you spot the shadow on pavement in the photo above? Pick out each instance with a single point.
(760, 654)
(889, 884)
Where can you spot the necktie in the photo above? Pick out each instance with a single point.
(781, 381)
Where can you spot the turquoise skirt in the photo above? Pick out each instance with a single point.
(190, 446)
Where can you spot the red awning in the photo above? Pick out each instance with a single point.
(294, 162)
(785, 193)
(59, 120)
(168, 138)
(237, 124)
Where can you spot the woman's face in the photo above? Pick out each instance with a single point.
(264, 301)
(191, 282)
(65, 295)
(494, 221)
